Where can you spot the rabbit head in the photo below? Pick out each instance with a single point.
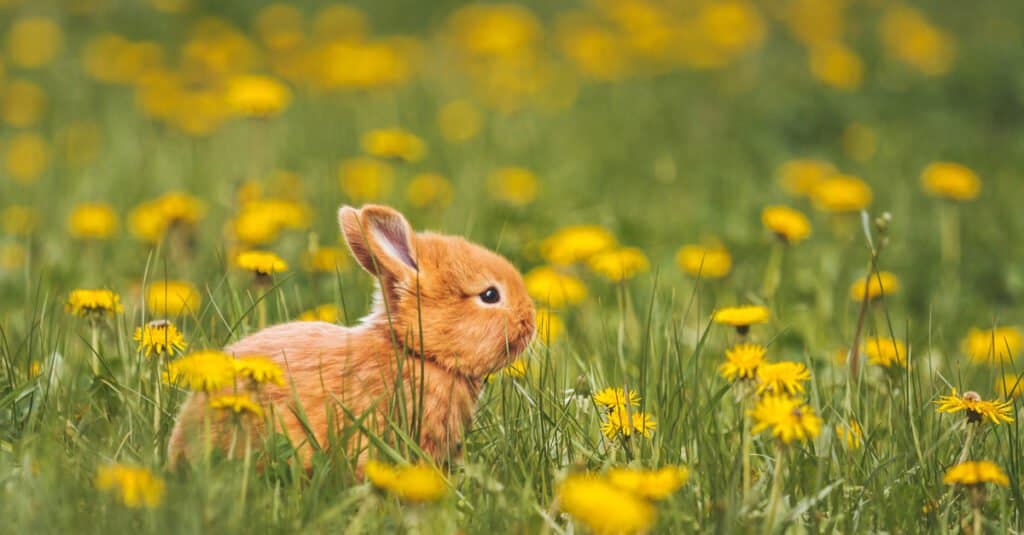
(442, 297)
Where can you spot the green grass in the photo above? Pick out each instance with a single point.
(660, 161)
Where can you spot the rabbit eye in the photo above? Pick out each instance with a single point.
(490, 295)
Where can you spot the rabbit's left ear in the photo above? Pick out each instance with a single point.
(380, 239)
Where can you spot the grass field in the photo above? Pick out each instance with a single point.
(145, 142)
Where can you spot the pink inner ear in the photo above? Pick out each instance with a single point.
(395, 242)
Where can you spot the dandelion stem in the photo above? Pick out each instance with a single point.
(964, 453)
(977, 521)
(156, 397)
(261, 310)
(745, 448)
(773, 271)
(94, 342)
(773, 499)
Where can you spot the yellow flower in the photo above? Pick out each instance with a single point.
(976, 408)
(880, 284)
(885, 352)
(238, 404)
(619, 264)
(330, 259)
(493, 31)
(172, 298)
(458, 121)
(787, 418)
(623, 421)
(159, 337)
(705, 262)
(92, 221)
(604, 508)
(418, 483)
(24, 103)
(151, 220)
(836, 65)
(34, 41)
(12, 256)
(429, 189)
(208, 371)
(549, 325)
(251, 95)
(782, 378)
(19, 220)
(93, 303)
(1010, 385)
(26, 157)
(651, 484)
(576, 243)
(741, 317)
(261, 220)
(365, 179)
(517, 369)
(742, 362)
(553, 288)
(995, 345)
(976, 473)
(259, 370)
(950, 181)
(135, 487)
(801, 177)
(909, 37)
(842, 194)
(613, 398)
(516, 186)
(262, 263)
(328, 313)
(393, 143)
(791, 226)
(850, 434)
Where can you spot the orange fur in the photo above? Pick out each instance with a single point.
(428, 327)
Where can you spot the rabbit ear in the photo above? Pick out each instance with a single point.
(380, 239)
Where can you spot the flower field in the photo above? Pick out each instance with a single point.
(770, 245)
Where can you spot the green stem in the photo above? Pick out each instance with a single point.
(745, 448)
(977, 521)
(773, 270)
(964, 453)
(773, 499)
(94, 342)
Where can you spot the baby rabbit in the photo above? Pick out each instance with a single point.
(446, 314)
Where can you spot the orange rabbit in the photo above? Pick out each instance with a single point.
(446, 314)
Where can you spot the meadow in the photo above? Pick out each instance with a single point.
(771, 245)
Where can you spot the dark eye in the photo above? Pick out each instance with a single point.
(490, 295)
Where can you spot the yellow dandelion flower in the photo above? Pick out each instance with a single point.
(850, 435)
(34, 41)
(259, 370)
(782, 378)
(328, 312)
(19, 220)
(842, 194)
(976, 408)
(885, 352)
(619, 264)
(705, 262)
(612, 398)
(251, 95)
(365, 179)
(787, 418)
(329, 259)
(554, 288)
(993, 346)
(151, 220)
(172, 298)
(950, 180)
(418, 483)
(549, 325)
(238, 404)
(159, 337)
(651, 484)
(742, 362)
(1010, 385)
(837, 65)
(604, 508)
(800, 177)
(458, 121)
(93, 303)
(625, 422)
(92, 221)
(516, 370)
(908, 36)
(791, 226)
(26, 156)
(576, 243)
(879, 284)
(429, 189)
(135, 487)
(393, 143)
(262, 263)
(207, 371)
(24, 103)
(741, 317)
(971, 473)
(516, 186)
